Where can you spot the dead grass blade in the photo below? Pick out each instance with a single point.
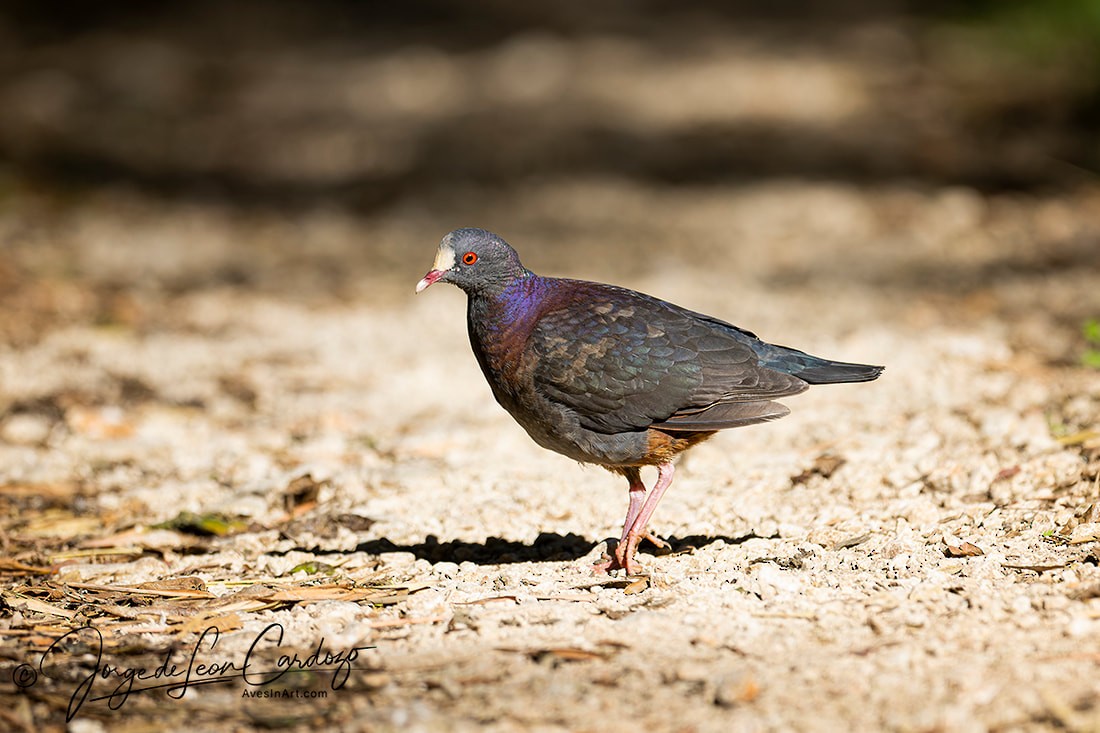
(14, 566)
(27, 603)
(484, 601)
(180, 593)
(565, 653)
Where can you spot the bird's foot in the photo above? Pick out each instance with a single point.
(605, 566)
(608, 566)
(624, 554)
(656, 541)
(621, 559)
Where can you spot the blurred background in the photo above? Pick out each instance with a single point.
(942, 154)
(212, 218)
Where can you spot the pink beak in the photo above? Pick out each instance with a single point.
(428, 279)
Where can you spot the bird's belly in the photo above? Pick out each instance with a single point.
(556, 428)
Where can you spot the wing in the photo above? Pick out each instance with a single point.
(623, 361)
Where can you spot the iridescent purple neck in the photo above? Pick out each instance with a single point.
(521, 297)
(511, 310)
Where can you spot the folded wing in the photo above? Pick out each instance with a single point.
(623, 361)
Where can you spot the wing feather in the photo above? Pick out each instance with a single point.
(623, 361)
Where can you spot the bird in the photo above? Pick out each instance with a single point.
(613, 377)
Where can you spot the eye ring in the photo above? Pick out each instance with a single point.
(469, 258)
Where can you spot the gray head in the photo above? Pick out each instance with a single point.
(475, 260)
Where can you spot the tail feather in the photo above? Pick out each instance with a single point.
(832, 372)
(814, 369)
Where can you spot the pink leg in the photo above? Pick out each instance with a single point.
(624, 553)
(637, 499)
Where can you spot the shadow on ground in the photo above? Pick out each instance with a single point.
(547, 547)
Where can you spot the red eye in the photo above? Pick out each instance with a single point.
(469, 258)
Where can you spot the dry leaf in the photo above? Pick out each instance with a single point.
(825, 465)
(1082, 533)
(567, 654)
(224, 622)
(301, 494)
(852, 541)
(188, 582)
(1088, 514)
(964, 549)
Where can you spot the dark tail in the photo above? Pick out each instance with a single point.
(814, 369)
(831, 372)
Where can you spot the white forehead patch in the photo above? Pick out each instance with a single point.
(445, 257)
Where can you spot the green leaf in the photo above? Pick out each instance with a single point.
(216, 525)
(1091, 331)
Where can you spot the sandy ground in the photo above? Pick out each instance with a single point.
(801, 594)
(921, 553)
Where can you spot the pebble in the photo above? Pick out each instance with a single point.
(397, 559)
(24, 429)
(733, 690)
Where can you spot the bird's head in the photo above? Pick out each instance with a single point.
(475, 260)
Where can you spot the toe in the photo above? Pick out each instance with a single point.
(656, 541)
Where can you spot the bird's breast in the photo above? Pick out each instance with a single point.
(498, 337)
